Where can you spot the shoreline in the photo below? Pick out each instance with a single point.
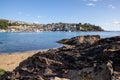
(59, 31)
(22, 52)
(9, 61)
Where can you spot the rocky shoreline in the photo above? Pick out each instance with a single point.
(83, 58)
(9, 61)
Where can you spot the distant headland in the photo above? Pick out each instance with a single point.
(20, 26)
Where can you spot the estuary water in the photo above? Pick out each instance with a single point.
(20, 42)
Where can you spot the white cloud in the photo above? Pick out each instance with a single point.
(111, 25)
(116, 22)
(90, 4)
(93, 0)
(111, 6)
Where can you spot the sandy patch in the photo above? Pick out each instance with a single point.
(10, 61)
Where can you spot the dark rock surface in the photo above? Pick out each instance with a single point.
(98, 61)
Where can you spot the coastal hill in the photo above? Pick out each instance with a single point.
(20, 26)
(83, 58)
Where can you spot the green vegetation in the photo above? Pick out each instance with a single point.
(90, 27)
(13, 24)
(2, 71)
(3, 24)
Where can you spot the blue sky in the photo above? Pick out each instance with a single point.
(104, 13)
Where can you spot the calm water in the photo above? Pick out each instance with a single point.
(19, 42)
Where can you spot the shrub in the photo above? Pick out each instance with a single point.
(2, 71)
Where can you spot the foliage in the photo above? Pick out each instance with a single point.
(3, 24)
(2, 71)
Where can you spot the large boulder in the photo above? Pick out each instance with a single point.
(99, 72)
(80, 40)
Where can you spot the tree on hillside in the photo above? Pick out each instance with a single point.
(3, 24)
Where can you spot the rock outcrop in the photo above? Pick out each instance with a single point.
(98, 61)
(82, 41)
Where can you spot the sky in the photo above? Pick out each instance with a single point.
(104, 13)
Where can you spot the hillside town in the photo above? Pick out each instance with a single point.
(19, 26)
